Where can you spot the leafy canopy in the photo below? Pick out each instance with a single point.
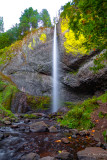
(89, 18)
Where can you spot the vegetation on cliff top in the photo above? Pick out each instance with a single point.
(30, 19)
(30, 40)
(84, 27)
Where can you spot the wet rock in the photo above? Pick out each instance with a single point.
(64, 156)
(40, 114)
(30, 156)
(19, 103)
(84, 133)
(47, 158)
(1, 136)
(74, 131)
(74, 136)
(97, 136)
(26, 120)
(99, 144)
(92, 153)
(52, 129)
(65, 140)
(46, 139)
(38, 127)
(14, 126)
(104, 146)
(7, 122)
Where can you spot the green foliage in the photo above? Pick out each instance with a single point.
(105, 135)
(45, 17)
(7, 91)
(103, 98)
(43, 37)
(30, 116)
(28, 19)
(74, 72)
(4, 40)
(79, 115)
(102, 115)
(5, 113)
(39, 102)
(89, 18)
(99, 62)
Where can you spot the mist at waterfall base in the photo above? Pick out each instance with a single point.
(55, 95)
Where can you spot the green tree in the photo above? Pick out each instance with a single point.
(13, 33)
(28, 19)
(45, 17)
(4, 40)
(89, 18)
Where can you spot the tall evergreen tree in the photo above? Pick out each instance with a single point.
(29, 19)
(45, 17)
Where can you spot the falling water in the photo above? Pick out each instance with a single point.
(55, 73)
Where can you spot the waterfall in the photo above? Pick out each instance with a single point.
(55, 73)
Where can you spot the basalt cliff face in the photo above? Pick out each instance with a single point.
(31, 69)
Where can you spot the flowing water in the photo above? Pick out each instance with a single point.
(55, 73)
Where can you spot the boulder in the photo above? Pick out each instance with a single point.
(30, 156)
(74, 131)
(64, 156)
(47, 158)
(92, 153)
(7, 122)
(19, 103)
(65, 140)
(38, 127)
(52, 129)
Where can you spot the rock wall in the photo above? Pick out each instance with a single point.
(31, 69)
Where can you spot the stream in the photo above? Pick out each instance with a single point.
(17, 140)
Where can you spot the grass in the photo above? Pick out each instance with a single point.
(7, 93)
(102, 115)
(79, 116)
(105, 135)
(5, 113)
(103, 98)
(30, 116)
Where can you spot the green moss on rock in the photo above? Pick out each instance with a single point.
(38, 102)
(7, 91)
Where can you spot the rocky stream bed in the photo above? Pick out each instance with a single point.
(44, 139)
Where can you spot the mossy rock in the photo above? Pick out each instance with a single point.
(38, 102)
(7, 91)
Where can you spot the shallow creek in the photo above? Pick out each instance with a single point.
(19, 140)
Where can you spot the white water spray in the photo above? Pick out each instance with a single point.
(55, 73)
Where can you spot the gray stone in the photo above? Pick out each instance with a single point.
(31, 70)
(64, 156)
(74, 131)
(7, 122)
(1, 136)
(65, 140)
(30, 156)
(47, 158)
(38, 127)
(92, 153)
(52, 129)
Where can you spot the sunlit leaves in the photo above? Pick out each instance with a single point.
(43, 37)
(71, 44)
